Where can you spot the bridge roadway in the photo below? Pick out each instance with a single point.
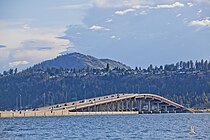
(88, 102)
(110, 104)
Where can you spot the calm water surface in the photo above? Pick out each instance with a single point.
(157, 126)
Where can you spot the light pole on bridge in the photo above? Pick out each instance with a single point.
(44, 99)
(20, 102)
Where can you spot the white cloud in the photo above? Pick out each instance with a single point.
(97, 28)
(108, 20)
(199, 12)
(205, 22)
(174, 5)
(26, 26)
(31, 44)
(136, 6)
(189, 4)
(72, 6)
(113, 37)
(117, 3)
(124, 11)
(143, 13)
(178, 15)
(16, 63)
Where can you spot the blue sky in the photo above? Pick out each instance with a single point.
(135, 32)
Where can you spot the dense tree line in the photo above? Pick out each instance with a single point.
(187, 83)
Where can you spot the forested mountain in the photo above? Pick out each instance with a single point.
(79, 61)
(187, 83)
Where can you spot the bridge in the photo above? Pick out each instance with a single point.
(110, 104)
(122, 102)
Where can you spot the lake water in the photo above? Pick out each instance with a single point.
(145, 126)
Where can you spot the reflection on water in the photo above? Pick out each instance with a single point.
(145, 126)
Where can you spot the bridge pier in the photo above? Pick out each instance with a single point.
(113, 106)
(106, 107)
(166, 108)
(117, 106)
(158, 107)
(149, 105)
(97, 108)
(122, 105)
(103, 107)
(131, 104)
(126, 101)
(140, 105)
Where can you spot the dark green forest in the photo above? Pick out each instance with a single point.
(187, 83)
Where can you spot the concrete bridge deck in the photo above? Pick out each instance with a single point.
(110, 104)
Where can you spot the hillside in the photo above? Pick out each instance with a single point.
(187, 83)
(79, 61)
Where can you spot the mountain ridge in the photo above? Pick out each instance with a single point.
(79, 61)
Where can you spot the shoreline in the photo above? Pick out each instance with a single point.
(12, 114)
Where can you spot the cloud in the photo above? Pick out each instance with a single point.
(72, 6)
(116, 3)
(189, 4)
(3, 46)
(137, 6)
(26, 26)
(178, 15)
(205, 22)
(174, 5)
(16, 63)
(142, 13)
(108, 20)
(124, 11)
(98, 28)
(38, 45)
(202, 1)
(113, 36)
(199, 12)
(33, 44)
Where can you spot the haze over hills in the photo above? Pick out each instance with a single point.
(79, 61)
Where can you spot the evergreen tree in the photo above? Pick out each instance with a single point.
(107, 67)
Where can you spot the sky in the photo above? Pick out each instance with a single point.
(135, 32)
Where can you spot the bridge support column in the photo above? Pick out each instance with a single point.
(166, 108)
(117, 106)
(97, 108)
(106, 107)
(103, 107)
(131, 104)
(140, 105)
(122, 105)
(149, 105)
(158, 107)
(126, 101)
(112, 106)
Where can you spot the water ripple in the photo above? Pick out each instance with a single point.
(108, 127)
